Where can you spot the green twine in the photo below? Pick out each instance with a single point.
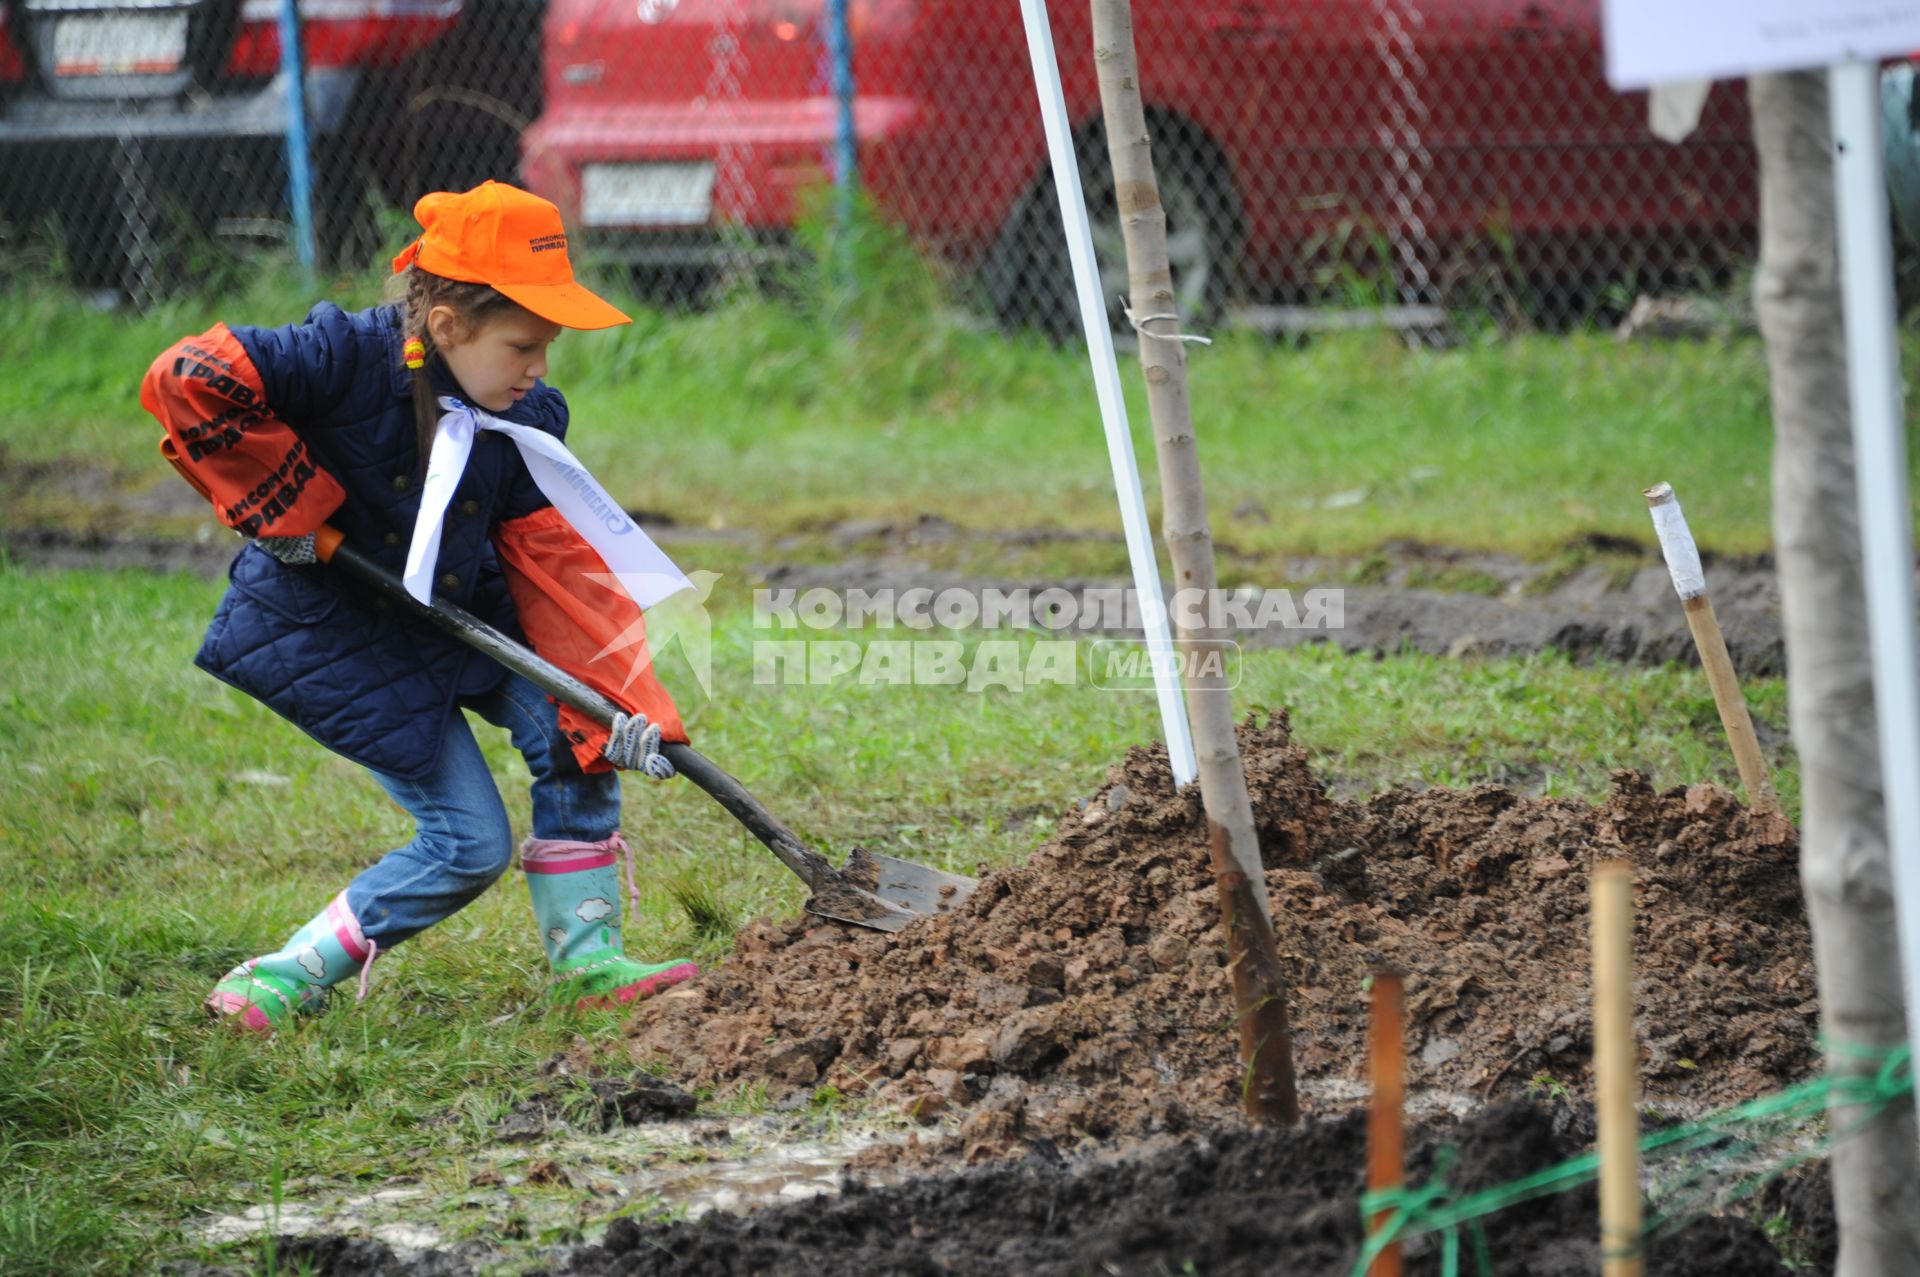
(1431, 1207)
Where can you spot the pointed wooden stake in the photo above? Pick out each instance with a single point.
(1386, 1118)
(1615, 1065)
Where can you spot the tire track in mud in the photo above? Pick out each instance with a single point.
(1641, 624)
(1612, 611)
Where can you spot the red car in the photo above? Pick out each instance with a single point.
(139, 128)
(1417, 143)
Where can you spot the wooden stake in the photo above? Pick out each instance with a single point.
(1689, 581)
(1615, 1062)
(1732, 705)
(1386, 1119)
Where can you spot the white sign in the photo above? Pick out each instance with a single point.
(1656, 41)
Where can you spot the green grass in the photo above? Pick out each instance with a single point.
(786, 417)
(158, 827)
(1342, 445)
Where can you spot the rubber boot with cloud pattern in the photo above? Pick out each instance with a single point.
(576, 904)
(265, 993)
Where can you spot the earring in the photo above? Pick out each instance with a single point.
(414, 351)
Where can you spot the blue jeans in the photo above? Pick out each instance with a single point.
(462, 840)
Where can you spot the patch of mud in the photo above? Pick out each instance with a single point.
(1240, 1202)
(521, 1194)
(1082, 997)
(363, 1233)
(1235, 1202)
(56, 549)
(1592, 613)
(1618, 605)
(603, 1104)
(1804, 1200)
(693, 1166)
(896, 537)
(336, 1255)
(1604, 597)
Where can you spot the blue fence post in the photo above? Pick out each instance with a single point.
(846, 156)
(299, 167)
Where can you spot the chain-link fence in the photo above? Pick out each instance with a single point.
(142, 141)
(1317, 158)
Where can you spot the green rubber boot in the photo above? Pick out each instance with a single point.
(576, 904)
(265, 993)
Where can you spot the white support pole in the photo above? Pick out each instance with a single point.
(1880, 465)
(1106, 385)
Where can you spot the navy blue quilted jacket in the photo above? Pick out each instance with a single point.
(360, 677)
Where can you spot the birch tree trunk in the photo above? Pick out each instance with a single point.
(1844, 865)
(1266, 1050)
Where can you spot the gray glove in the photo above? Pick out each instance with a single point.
(293, 550)
(634, 745)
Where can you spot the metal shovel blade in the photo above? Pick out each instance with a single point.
(914, 888)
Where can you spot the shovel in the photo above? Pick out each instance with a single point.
(874, 891)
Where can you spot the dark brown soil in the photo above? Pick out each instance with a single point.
(1236, 1202)
(1242, 1202)
(1082, 995)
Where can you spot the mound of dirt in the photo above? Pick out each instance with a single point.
(1252, 1202)
(1083, 994)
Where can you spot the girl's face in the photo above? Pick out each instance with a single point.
(496, 361)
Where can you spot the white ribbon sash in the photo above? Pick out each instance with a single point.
(641, 567)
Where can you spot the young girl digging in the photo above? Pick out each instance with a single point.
(335, 420)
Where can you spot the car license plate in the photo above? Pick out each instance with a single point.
(646, 194)
(120, 44)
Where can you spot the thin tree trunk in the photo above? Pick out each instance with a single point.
(1266, 1051)
(1816, 531)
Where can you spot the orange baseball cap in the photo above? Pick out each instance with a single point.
(511, 239)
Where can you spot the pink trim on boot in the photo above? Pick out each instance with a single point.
(640, 988)
(366, 971)
(240, 1011)
(559, 866)
(346, 928)
(562, 855)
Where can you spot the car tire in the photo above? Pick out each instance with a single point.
(687, 288)
(1027, 277)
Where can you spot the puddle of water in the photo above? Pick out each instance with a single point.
(292, 1219)
(760, 1172)
(407, 1238)
(687, 1168)
(1337, 1093)
(362, 1214)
